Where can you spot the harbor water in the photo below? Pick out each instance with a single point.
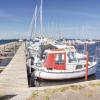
(7, 41)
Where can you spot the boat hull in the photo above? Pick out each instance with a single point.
(63, 75)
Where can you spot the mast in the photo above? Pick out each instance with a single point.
(41, 18)
(32, 26)
(35, 15)
(33, 23)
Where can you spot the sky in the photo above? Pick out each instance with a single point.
(61, 18)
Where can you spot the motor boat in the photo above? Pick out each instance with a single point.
(61, 63)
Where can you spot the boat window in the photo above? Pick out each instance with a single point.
(91, 59)
(59, 59)
(78, 66)
(71, 56)
(45, 56)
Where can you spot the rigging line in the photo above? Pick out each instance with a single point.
(30, 27)
(33, 22)
(34, 19)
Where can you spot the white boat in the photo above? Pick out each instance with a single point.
(82, 42)
(61, 64)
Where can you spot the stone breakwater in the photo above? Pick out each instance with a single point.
(7, 46)
(7, 51)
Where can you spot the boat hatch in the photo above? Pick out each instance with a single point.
(55, 61)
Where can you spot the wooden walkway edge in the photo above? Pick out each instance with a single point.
(15, 74)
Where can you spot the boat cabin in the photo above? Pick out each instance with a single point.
(58, 58)
(55, 59)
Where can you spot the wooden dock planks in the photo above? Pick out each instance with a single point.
(15, 74)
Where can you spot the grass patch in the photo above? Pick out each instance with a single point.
(50, 92)
(63, 89)
(89, 94)
(34, 95)
(46, 97)
(47, 93)
(76, 87)
(6, 97)
(98, 84)
(1, 70)
(95, 84)
(3, 98)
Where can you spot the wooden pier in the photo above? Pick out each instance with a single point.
(15, 74)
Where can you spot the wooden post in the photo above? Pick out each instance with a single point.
(86, 75)
(96, 54)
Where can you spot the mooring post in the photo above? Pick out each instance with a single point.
(96, 54)
(86, 74)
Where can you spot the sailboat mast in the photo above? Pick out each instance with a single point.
(35, 19)
(41, 19)
(32, 26)
(35, 16)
